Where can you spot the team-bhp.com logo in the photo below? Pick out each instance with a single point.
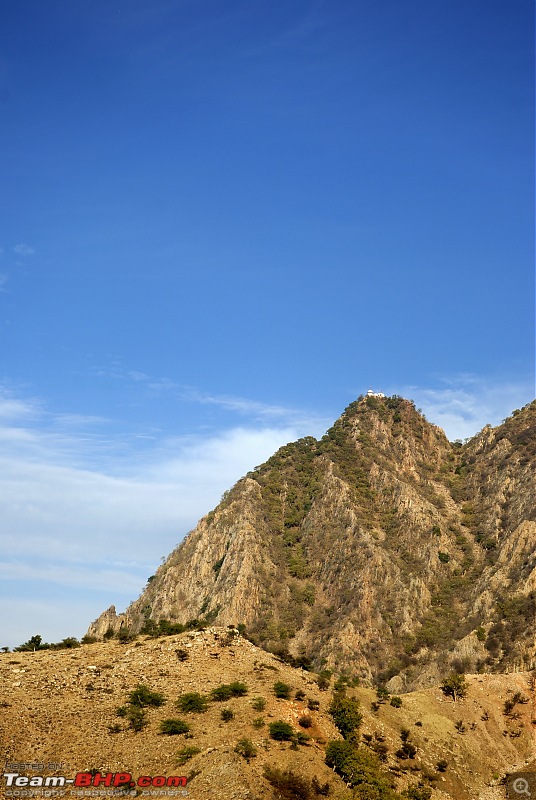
(91, 780)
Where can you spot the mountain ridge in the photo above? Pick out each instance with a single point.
(381, 548)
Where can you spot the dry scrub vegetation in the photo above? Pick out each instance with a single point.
(146, 708)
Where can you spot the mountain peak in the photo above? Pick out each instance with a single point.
(382, 549)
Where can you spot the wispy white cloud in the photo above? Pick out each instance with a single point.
(255, 411)
(78, 421)
(13, 408)
(462, 405)
(3, 280)
(262, 411)
(23, 250)
(49, 509)
(96, 579)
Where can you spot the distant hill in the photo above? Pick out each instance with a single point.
(382, 550)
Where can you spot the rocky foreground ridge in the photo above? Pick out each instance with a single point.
(382, 550)
(65, 712)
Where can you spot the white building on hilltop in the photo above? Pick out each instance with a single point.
(370, 393)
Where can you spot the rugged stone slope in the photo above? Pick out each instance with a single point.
(382, 549)
(60, 708)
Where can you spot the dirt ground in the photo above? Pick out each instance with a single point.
(58, 717)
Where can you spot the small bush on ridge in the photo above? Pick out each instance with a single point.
(186, 753)
(281, 731)
(282, 690)
(143, 696)
(174, 727)
(246, 749)
(192, 703)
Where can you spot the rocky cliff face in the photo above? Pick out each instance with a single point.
(382, 549)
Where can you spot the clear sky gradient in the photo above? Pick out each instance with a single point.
(222, 220)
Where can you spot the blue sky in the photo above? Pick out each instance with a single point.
(223, 221)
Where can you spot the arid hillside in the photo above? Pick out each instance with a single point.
(60, 708)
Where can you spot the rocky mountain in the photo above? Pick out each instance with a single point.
(382, 550)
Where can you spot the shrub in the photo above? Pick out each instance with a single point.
(442, 765)
(238, 689)
(459, 725)
(186, 754)
(359, 767)
(246, 749)
(114, 728)
(320, 788)
(454, 686)
(382, 694)
(396, 701)
(136, 717)
(340, 684)
(461, 665)
(323, 680)
(258, 722)
(288, 785)
(381, 750)
(181, 654)
(258, 703)
(228, 690)
(282, 690)
(519, 697)
(164, 628)
(226, 714)
(221, 693)
(417, 792)
(143, 696)
(192, 703)
(511, 702)
(313, 705)
(33, 643)
(305, 721)
(408, 750)
(508, 706)
(281, 731)
(299, 694)
(174, 727)
(345, 713)
(68, 643)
